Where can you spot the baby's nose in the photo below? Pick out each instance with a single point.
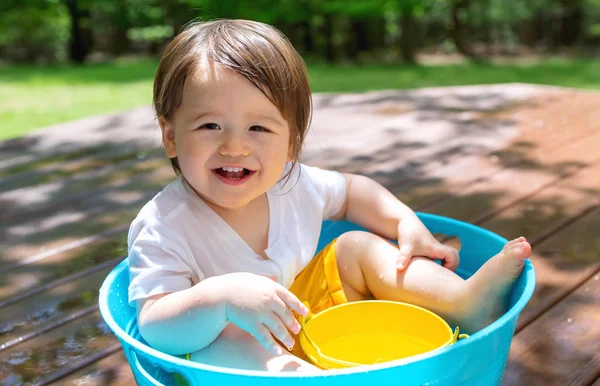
(234, 146)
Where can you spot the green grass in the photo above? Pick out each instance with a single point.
(577, 73)
(33, 97)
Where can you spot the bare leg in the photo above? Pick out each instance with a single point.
(235, 348)
(367, 266)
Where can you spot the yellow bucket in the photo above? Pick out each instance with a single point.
(369, 332)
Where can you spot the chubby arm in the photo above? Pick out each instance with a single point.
(372, 206)
(185, 321)
(189, 320)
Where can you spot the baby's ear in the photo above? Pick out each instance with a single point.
(168, 137)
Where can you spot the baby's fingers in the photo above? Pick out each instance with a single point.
(291, 301)
(277, 328)
(264, 337)
(448, 254)
(404, 255)
(286, 316)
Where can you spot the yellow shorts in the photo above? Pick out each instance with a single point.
(320, 286)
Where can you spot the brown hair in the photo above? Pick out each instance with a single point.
(257, 51)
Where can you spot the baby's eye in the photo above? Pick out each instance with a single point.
(210, 126)
(258, 128)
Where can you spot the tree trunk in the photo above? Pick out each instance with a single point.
(79, 47)
(375, 33)
(460, 29)
(328, 33)
(571, 23)
(408, 36)
(527, 35)
(486, 31)
(177, 14)
(358, 40)
(121, 43)
(308, 42)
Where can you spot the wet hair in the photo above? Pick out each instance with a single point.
(257, 51)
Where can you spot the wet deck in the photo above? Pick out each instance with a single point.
(514, 159)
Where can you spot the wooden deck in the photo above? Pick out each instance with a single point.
(517, 160)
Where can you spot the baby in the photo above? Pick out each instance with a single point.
(223, 258)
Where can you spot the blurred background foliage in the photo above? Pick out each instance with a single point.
(80, 31)
(65, 59)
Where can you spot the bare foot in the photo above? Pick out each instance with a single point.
(487, 290)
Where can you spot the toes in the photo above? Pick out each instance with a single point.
(509, 245)
(518, 251)
(516, 243)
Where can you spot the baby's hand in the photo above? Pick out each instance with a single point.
(262, 307)
(415, 240)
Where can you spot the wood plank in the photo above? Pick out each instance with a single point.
(61, 265)
(52, 306)
(64, 165)
(534, 217)
(537, 146)
(483, 199)
(562, 262)
(562, 347)
(47, 353)
(545, 127)
(553, 205)
(46, 199)
(81, 219)
(110, 371)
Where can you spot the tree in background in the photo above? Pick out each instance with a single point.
(33, 31)
(81, 30)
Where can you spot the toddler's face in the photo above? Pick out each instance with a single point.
(231, 142)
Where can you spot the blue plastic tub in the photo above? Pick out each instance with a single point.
(479, 360)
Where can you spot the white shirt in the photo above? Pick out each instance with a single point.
(177, 240)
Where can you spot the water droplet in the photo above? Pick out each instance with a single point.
(587, 289)
(381, 275)
(3, 346)
(596, 277)
(569, 320)
(20, 338)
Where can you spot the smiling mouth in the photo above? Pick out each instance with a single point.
(233, 173)
(233, 176)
